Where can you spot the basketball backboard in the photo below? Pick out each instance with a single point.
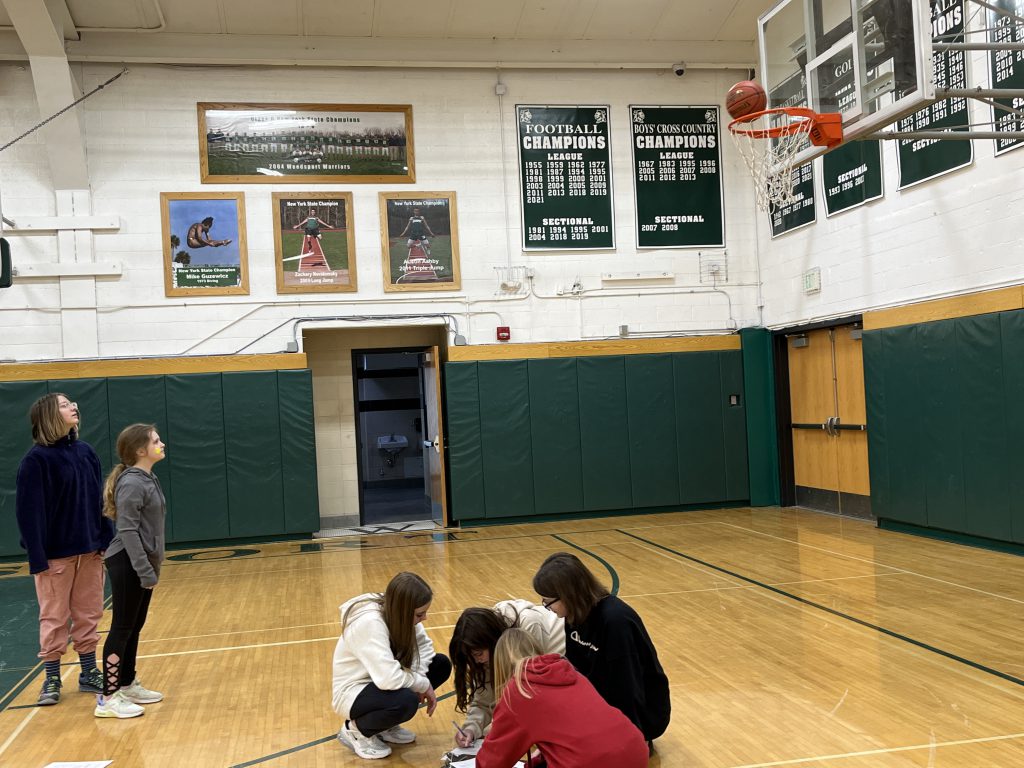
(870, 60)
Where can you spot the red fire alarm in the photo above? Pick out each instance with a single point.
(504, 334)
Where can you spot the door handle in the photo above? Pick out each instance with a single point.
(428, 444)
(827, 426)
(835, 426)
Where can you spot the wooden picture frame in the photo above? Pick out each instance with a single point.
(419, 241)
(305, 143)
(314, 242)
(204, 244)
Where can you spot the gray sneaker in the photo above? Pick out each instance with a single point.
(50, 692)
(91, 681)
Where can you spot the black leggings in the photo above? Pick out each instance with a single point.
(130, 604)
(375, 710)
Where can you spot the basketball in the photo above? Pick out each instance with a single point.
(745, 97)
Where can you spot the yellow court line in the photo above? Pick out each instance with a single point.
(890, 750)
(877, 562)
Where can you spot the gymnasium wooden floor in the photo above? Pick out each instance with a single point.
(790, 638)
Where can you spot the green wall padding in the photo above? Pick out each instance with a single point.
(651, 416)
(555, 436)
(464, 453)
(944, 415)
(298, 452)
(700, 427)
(267, 455)
(195, 444)
(252, 434)
(1012, 333)
(506, 444)
(16, 397)
(735, 425)
(759, 413)
(604, 433)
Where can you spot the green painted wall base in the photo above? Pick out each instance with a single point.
(955, 538)
(484, 521)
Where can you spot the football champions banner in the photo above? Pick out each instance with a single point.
(565, 177)
(677, 163)
(1007, 70)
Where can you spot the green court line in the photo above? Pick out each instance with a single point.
(834, 612)
(601, 560)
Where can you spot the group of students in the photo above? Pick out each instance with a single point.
(575, 678)
(66, 512)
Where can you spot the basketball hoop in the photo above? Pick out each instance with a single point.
(771, 162)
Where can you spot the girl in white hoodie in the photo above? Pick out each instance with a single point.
(385, 666)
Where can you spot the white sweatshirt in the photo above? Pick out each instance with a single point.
(546, 629)
(363, 656)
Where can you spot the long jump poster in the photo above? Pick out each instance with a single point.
(314, 245)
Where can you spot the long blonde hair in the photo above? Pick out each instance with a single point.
(514, 648)
(404, 594)
(131, 440)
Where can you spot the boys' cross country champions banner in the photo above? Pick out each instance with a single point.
(677, 164)
(565, 177)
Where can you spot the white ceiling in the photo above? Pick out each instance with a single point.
(527, 33)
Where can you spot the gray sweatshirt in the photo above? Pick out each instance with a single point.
(141, 509)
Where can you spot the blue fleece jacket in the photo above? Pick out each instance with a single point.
(59, 503)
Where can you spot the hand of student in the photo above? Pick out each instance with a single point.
(464, 739)
(429, 698)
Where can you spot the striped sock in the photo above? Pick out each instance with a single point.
(88, 661)
(52, 668)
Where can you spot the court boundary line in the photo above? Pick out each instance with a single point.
(839, 614)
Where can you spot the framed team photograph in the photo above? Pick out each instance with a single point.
(420, 241)
(303, 143)
(204, 243)
(314, 244)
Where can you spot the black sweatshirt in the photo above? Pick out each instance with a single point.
(612, 649)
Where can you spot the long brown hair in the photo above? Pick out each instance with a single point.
(564, 577)
(477, 629)
(515, 647)
(131, 440)
(404, 594)
(48, 426)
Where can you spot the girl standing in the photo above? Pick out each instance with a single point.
(543, 700)
(607, 642)
(385, 666)
(58, 504)
(472, 650)
(132, 496)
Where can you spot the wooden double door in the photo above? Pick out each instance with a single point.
(829, 420)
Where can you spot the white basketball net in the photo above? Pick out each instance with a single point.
(770, 160)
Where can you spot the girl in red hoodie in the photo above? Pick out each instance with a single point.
(545, 702)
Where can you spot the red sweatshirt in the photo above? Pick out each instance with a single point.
(565, 717)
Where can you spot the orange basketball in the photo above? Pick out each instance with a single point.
(745, 97)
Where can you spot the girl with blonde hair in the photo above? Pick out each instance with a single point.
(544, 701)
(133, 497)
(385, 666)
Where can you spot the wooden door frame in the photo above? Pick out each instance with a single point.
(783, 413)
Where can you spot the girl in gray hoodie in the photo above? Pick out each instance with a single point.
(132, 496)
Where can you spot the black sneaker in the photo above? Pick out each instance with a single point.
(91, 681)
(50, 692)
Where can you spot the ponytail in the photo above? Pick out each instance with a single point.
(109, 509)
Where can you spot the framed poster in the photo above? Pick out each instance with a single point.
(204, 243)
(420, 241)
(303, 143)
(565, 178)
(314, 244)
(677, 176)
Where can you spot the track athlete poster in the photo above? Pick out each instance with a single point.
(314, 245)
(420, 241)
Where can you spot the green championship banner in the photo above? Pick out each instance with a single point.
(677, 176)
(565, 177)
(924, 159)
(851, 175)
(799, 213)
(1007, 70)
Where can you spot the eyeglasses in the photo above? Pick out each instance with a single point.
(67, 405)
(548, 603)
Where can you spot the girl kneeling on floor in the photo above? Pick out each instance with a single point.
(385, 666)
(544, 701)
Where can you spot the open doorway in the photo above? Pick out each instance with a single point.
(396, 436)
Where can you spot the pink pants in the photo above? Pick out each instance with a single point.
(70, 590)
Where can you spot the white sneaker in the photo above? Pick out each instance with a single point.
(397, 735)
(116, 705)
(136, 694)
(367, 747)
